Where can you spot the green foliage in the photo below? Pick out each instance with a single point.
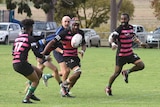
(11, 5)
(127, 7)
(45, 5)
(61, 9)
(91, 13)
(94, 12)
(1, 1)
(155, 4)
(23, 7)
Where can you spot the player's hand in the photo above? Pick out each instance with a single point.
(81, 53)
(42, 52)
(144, 45)
(40, 60)
(61, 52)
(114, 46)
(48, 58)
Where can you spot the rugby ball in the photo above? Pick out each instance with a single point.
(76, 40)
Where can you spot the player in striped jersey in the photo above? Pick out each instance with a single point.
(23, 43)
(70, 54)
(122, 38)
(48, 62)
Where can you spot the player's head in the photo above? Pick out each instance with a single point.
(27, 23)
(125, 19)
(66, 21)
(74, 24)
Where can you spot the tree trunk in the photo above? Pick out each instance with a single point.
(114, 12)
(113, 15)
(50, 14)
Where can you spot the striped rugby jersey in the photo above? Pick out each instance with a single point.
(65, 37)
(124, 40)
(23, 43)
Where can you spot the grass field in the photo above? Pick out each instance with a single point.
(143, 89)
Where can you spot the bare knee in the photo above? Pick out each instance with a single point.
(141, 66)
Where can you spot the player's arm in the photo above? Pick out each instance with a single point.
(83, 48)
(136, 40)
(34, 48)
(51, 43)
(59, 50)
(48, 46)
(55, 40)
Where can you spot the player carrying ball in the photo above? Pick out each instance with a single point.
(70, 54)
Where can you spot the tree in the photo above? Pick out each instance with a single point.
(46, 5)
(61, 9)
(155, 4)
(91, 13)
(1, 1)
(22, 6)
(117, 8)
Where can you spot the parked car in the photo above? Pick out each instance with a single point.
(141, 33)
(153, 39)
(91, 38)
(42, 29)
(9, 32)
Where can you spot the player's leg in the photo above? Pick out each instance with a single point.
(138, 65)
(34, 76)
(112, 79)
(64, 89)
(39, 66)
(70, 82)
(35, 81)
(64, 70)
(75, 76)
(120, 61)
(74, 64)
(54, 69)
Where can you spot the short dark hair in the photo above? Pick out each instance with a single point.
(26, 23)
(126, 14)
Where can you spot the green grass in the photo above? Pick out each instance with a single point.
(143, 89)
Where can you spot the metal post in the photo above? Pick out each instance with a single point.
(8, 37)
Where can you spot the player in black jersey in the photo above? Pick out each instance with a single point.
(23, 43)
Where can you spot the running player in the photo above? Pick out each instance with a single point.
(58, 52)
(70, 54)
(122, 39)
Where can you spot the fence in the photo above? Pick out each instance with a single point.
(152, 41)
(104, 38)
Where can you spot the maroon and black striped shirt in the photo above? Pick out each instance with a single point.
(124, 40)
